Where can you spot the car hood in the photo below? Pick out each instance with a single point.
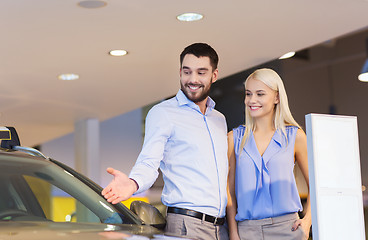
(81, 231)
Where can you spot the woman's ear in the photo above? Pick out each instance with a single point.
(277, 98)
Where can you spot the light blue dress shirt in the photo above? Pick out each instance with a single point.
(191, 150)
(265, 185)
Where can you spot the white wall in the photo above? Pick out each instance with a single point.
(120, 144)
(330, 77)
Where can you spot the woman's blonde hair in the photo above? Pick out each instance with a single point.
(282, 116)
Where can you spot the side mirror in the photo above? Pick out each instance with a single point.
(148, 214)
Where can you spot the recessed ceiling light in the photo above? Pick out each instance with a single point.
(92, 4)
(68, 76)
(118, 52)
(189, 17)
(287, 55)
(363, 77)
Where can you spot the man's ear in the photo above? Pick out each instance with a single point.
(214, 75)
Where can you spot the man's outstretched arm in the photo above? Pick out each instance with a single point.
(120, 188)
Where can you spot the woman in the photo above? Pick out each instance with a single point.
(263, 200)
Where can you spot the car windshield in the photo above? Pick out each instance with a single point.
(36, 189)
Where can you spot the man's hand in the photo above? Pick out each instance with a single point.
(120, 188)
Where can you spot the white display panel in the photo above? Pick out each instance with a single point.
(335, 178)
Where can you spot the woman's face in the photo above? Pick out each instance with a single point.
(260, 99)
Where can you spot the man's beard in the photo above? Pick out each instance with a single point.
(205, 93)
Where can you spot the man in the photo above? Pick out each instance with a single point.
(187, 138)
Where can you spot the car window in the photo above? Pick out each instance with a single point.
(31, 198)
(34, 189)
(58, 205)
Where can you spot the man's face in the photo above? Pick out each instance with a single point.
(196, 77)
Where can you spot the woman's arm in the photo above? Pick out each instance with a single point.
(301, 156)
(231, 207)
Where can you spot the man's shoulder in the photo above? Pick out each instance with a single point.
(163, 107)
(218, 114)
(171, 102)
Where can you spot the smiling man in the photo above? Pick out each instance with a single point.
(196, 77)
(187, 138)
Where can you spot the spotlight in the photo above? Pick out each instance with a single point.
(287, 55)
(363, 76)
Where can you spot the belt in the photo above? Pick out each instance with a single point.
(192, 213)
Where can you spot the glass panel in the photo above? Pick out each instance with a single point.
(58, 205)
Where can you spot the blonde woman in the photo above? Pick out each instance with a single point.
(263, 200)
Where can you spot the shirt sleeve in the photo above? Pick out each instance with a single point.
(157, 132)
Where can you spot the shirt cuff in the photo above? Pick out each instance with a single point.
(135, 183)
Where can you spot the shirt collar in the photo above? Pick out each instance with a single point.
(274, 146)
(183, 100)
(277, 137)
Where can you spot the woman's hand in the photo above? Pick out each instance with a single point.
(302, 223)
(234, 236)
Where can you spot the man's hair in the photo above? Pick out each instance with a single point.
(201, 50)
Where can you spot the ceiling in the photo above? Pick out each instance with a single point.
(41, 39)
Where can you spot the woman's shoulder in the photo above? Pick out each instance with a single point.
(292, 129)
(240, 127)
(294, 133)
(238, 131)
(300, 135)
(235, 137)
